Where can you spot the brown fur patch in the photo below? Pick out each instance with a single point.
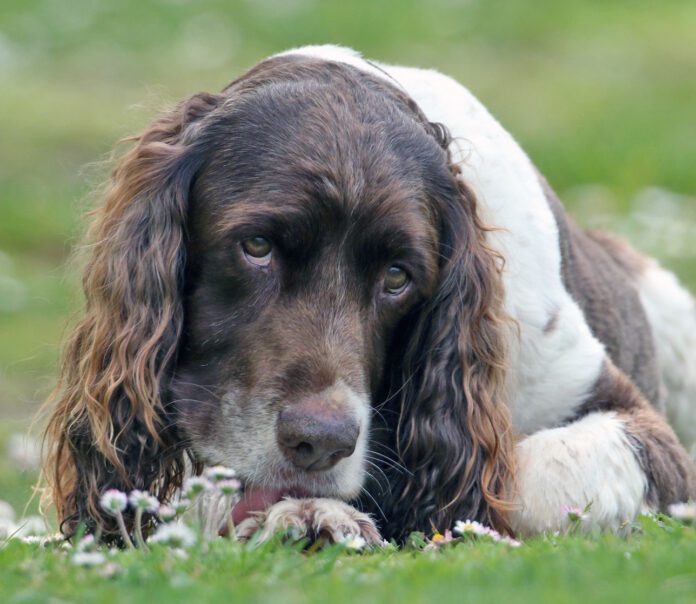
(669, 469)
(552, 323)
(600, 272)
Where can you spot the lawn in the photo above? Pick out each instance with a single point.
(654, 565)
(600, 94)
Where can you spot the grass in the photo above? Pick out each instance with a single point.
(656, 564)
(599, 94)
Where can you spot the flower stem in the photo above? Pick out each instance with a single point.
(200, 513)
(231, 533)
(139, 529)
(124, 532)
(214, 520)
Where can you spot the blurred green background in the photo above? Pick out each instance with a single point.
(602, 95)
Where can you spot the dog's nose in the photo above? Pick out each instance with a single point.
(316, 436)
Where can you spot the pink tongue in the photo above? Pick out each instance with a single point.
(255, 500)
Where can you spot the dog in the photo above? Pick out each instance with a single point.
(348, 282)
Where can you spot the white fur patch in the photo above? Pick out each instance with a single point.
(591, 461)
(258, 460)
(671, 311)
(350, 472)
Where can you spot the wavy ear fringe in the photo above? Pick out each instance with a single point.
(454, 433)
(108, 426)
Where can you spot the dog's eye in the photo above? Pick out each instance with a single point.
(257, 250)
(395, 280)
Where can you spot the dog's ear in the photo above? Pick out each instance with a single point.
(454, 434)
(108, 426)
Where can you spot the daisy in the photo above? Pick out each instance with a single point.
(175, 535)
(219, 473)
(88, 558)
(142, 500)
(113, 501)
(354, 542)
(6, 511)
(574, 513)
(181, 505)
(195, 485)
(229, 486)
(438, 540)
(166, 512)
(683, 511)
(471, 527)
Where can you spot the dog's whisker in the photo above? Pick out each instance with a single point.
(363, 490)
(372, 464)
(389, 462)
(390, 397)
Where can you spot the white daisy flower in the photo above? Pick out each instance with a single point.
(24, 451)
(354, 542)
(229, 486)
(86, 543)
(143, 501)
(219, 473)
(34, 539)
(180, 506)
(31, 525)
(683, 511)
(471, 527)
(510, 541)
(6, 511)
(492, 533)
(574, 513)
(7, 528)
(166, 512)
(110, 570)
(174, 535)
(88, 558)
(195, 485)
(113, 501)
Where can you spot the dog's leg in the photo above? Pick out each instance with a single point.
(314, 519)
(619, 458)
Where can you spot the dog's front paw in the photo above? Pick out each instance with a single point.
(318, 520)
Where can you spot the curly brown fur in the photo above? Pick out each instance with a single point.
(109, 427)
(454, 432)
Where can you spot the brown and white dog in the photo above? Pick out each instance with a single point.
(348, 282)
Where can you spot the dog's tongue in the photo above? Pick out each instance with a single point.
(255, 499)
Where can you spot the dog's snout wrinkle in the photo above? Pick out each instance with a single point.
(315, 435)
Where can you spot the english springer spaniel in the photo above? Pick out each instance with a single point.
(348, 282)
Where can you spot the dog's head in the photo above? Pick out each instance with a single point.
(289, 278)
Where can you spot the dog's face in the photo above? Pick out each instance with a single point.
(276, 273)
(311, 235)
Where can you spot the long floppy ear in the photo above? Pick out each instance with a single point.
(108, 427)
(454, 434)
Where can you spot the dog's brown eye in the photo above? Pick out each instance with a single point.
(257, 249)
(395, 280)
